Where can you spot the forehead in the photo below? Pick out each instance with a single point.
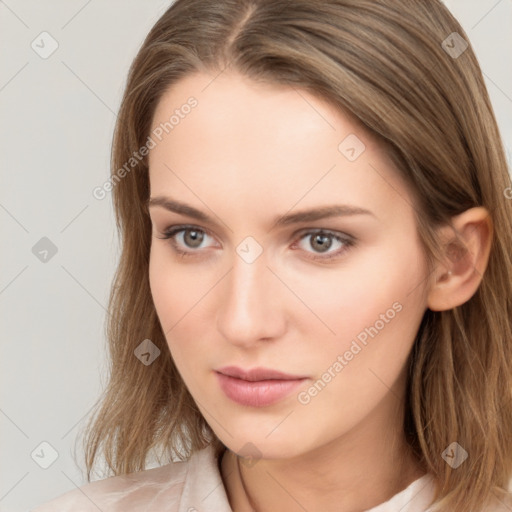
(245, 142)
(233, 105)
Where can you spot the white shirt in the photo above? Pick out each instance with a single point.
(196, 485)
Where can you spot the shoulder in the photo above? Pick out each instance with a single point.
(161, 488)
(500, 503)
(122, 492)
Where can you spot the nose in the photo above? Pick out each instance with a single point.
(251, 303)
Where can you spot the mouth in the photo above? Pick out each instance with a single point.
(258, 387)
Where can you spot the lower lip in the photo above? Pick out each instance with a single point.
(258, 393)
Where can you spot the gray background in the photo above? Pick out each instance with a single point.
(57, 116)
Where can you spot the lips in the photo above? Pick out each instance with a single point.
(257, 387)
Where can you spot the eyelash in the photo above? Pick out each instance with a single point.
(348, 242)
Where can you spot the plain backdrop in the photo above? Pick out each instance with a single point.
(60, 246)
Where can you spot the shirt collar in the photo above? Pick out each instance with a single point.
(204, 489)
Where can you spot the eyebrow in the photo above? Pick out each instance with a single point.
(310, 215)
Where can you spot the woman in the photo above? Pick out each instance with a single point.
(313, 305)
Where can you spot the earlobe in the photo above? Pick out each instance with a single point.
(467, 245)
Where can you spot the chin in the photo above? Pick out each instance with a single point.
(254, 442)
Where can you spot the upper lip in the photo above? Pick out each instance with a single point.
(255, 374)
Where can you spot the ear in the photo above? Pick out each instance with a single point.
(466, 247)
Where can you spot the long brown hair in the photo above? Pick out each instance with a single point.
(401, 71)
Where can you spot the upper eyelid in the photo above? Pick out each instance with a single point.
(178, 228)
(184, 227)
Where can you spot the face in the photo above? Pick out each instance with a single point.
(334, 300)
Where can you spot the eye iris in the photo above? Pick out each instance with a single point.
(324, 241)
(193, 238)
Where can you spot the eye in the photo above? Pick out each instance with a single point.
(321, 241)
(185, 237)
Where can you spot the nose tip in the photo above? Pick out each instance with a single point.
(250, 305)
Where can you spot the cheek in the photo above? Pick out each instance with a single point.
(179, 294)
(372, 309)
(170, 294)
(175, 288)
(161, 285)
(354, 296)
